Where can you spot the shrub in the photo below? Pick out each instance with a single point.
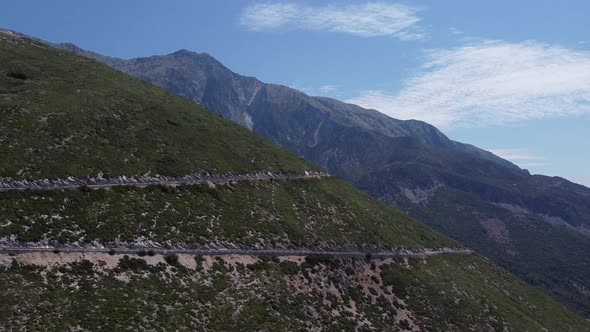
(17, 74)
(375, 279)
(258, 266)
(84, 267)
(273, 259)
(317, 259)
(289, 268)
(404, 324)
(373, 291)
(127, 263)
(349, 270)
(172, 260)
(219, 265)
(199, 260)
(85, 189)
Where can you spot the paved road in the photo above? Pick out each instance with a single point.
(249, 252)
(142, 181)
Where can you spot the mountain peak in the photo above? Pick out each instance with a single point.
(202, 57)
(184, 51)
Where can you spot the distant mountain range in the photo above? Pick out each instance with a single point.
(536, 226)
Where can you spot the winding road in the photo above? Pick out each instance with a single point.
(425, 252)
(146, 180)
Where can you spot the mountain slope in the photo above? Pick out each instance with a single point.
(409, 164)
(93, 133)
(89, 290)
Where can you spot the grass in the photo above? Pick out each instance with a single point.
(65, 115)
(304, 212)
(136, 296)
(430, 287)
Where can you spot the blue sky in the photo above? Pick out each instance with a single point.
(509, 76)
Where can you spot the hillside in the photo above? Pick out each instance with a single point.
(86, 121)
(82, 289)
(483, 201)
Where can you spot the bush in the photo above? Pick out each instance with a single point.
(199, 260)
(373, 291)
(142, 253)
(273, 259)
(317, 259)
(349, 270)
(289, 268)
(172, 260)
(375, 279)
(17, 74)
(219, 265)
(84, 267)
(258, 266)
(404, 324)
(127, 263)
(112, 252)
(85, 189)
(151, 253)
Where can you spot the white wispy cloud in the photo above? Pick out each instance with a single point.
(516, 154)
(366, 20)
(328, 89)
(490, 83)
(267, 16)
(456, 32)
(522, 157)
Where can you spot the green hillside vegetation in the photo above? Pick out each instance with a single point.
(225, 294)
(302, 212)
(62, 292)
(66, 115)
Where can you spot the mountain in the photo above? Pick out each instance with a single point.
(536, 226)
(203, 256)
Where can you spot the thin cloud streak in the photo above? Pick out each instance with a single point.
(372, 19)
(490, 83)
(328, 88)
(521, 157)
(515, 154)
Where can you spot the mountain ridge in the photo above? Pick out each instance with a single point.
(405, 127)
(408, 164)
(62, 104)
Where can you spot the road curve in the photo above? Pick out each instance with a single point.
(146, 180)
(247, 252)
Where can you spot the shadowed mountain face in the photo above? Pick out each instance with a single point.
(536, 226)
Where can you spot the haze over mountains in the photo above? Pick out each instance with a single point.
(536, 226)
(63, 115)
